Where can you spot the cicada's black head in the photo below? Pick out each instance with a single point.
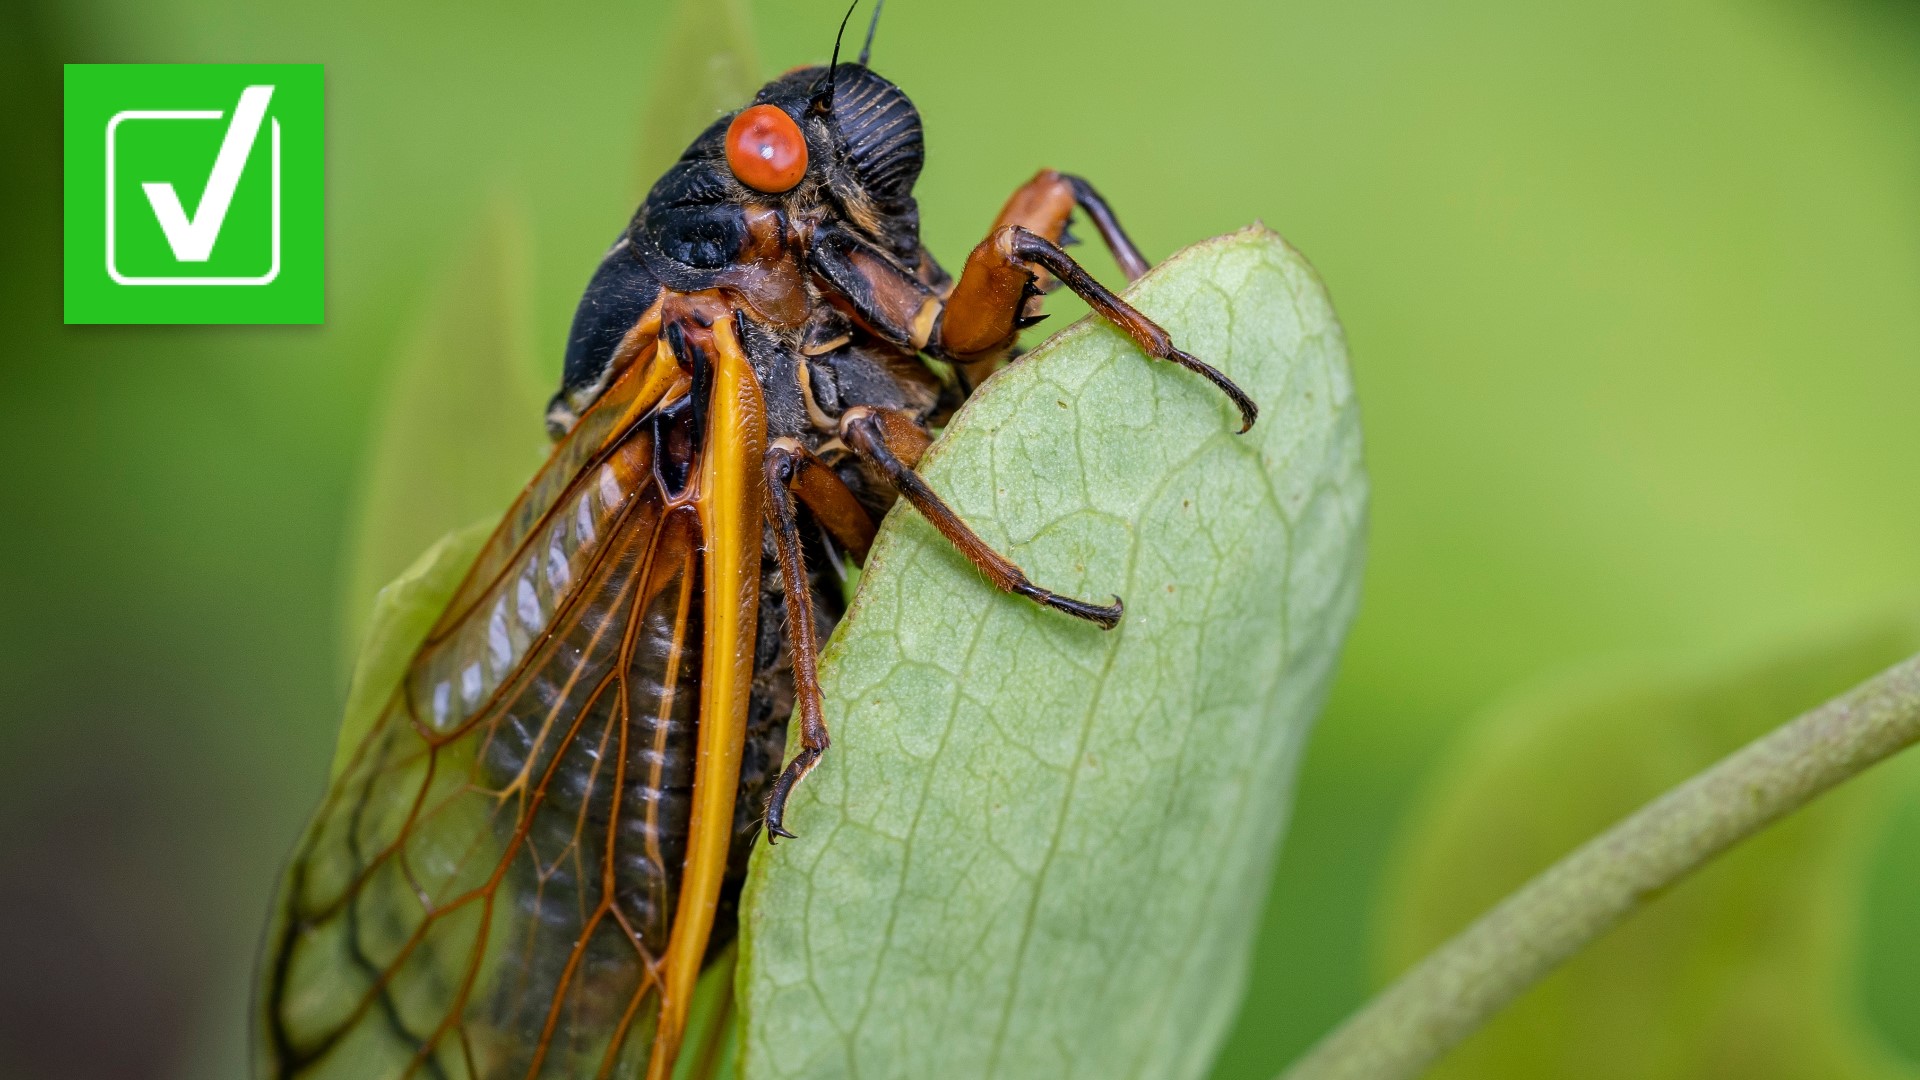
(845, 145)
(835, 143)
(808, 146)
(874, 147)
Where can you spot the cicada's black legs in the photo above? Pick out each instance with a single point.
(892, 443)
(986, 308)
(792, 471)
(1132, 263)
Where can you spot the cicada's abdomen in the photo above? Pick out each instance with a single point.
(606, 832)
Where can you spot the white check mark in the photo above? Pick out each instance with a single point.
(192, 239)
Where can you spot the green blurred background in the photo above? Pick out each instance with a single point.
(1632, 290)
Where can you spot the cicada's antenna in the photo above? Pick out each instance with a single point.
(823, 100)
(867, 49)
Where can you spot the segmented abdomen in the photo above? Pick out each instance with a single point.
(615, 808)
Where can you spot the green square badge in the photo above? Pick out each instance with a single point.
(193, 193)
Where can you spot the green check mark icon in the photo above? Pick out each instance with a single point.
(192, 239)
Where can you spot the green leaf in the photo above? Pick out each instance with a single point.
(1037, 849)
(707, 66)
(1746, 970)
(459, 428)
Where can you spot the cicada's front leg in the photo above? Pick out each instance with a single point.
(793, 472)
(988, 306)
(893, 443)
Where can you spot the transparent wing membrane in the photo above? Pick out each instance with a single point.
(488, 889)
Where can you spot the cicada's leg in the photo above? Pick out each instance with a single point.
(893, 444)
(825, 496)
(985, 309)
(1044, 203)
(792, 471)
(1043, 206)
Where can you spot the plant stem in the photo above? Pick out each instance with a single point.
(1481, 970)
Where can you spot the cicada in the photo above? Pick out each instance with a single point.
(525, 865)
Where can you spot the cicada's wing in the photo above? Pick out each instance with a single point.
(489, 889)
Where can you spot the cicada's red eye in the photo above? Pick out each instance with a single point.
(766, 150)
